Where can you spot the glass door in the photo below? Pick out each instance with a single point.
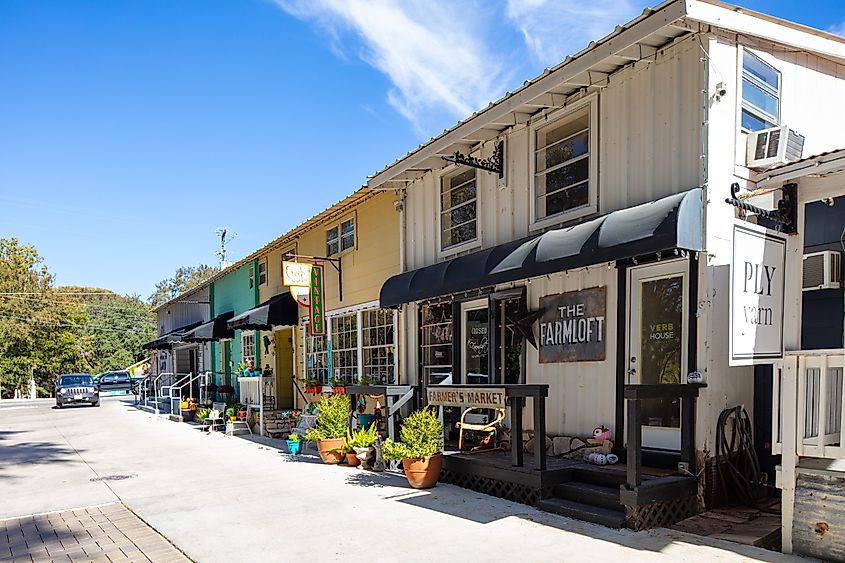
(657, 345)
(475, 336)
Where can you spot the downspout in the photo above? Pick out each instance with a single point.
(404, 316)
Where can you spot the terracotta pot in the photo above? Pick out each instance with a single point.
(339, 390)
(423, 472)
(352, 460)
(325, 447)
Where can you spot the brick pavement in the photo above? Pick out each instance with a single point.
(107, 533)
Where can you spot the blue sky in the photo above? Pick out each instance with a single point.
(130, 131)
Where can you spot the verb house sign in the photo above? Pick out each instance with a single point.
(572, 328)
(758, 277)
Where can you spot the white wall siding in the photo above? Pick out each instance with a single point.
(181, 314)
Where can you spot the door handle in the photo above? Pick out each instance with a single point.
(632, 371)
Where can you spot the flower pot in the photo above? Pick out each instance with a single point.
(314, 389)
(364, 420)
(352, 460)
(242, 415)
(362, 453)
(340, 390)
(423, 472)
(331, 450)
(294, 446)
(187, 414)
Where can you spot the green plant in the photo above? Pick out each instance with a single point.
(332, 419)
(202, 414)
(421, 434)
(294, 438)
(362, 438)
(230, 412)
(312, 381)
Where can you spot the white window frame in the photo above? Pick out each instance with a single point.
(251, 277)
(358, 311)
(553, 120)
(244, 356)
(338, 229)
(446, 174)
(262, 263)
(748, 106)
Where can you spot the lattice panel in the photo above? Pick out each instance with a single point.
(659, 514)
(502, 489)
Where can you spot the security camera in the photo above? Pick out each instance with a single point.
(721, 90)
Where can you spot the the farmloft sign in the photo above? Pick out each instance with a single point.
(572, 328)
(758, 277)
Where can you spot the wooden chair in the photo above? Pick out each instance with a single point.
(488, 427)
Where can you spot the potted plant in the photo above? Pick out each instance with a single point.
(330, 428)
(202, 414)
(339, 385)
(421, 448)
(231, 414)
(358, 443)
(312, 385)
(188, 409)
(294, 444)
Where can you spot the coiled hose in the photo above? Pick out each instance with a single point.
(737, 451)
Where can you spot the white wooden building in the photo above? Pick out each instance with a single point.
(172, 354)
(657, 114)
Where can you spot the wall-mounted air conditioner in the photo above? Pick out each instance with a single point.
(822, 270)
(771, 147)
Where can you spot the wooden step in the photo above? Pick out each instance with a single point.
(589, 493)
(599, 475)
(585, 512)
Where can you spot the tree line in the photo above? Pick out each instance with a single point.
(46, 330)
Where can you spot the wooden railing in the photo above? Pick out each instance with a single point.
(807, 403)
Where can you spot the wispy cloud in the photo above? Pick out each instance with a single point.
(553, 29)
(838, 29)
(433, 51)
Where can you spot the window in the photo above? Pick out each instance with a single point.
(458, 207)
(379, 347)
(436, 342)
(248, 346)
(262, 272)
(345, 347)
(347, 234)
(760, 94)
(562, 165)
(316, 358)
(251, 278)
(332, 247)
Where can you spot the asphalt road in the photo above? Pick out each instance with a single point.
(230, 499)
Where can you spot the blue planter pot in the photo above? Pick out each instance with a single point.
(294, 447)
(364, 420)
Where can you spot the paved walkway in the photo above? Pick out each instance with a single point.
(230, 499)
(108, 533)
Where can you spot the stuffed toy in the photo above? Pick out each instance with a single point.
(601, 433)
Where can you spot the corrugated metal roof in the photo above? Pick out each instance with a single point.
(341, 206)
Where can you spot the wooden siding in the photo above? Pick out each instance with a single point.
(649, 146)
(181, 314)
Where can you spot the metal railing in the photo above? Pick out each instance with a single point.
(808, 403)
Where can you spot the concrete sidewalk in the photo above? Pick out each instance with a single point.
(228, 499)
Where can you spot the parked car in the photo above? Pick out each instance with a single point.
(74, 388)
(115, 381)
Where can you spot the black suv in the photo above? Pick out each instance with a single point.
(115, 381)
(75, 388)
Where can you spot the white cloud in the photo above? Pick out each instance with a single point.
(838, 29)
(553, 29)
(433, 51)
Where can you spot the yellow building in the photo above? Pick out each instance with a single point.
(357, 243)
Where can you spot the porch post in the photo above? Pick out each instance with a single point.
(539, 433)
(635, 451)
(516, 430)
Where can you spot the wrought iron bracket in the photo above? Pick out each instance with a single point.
(495, 164)
(786, 215)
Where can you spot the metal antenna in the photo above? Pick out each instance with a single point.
(225, 237)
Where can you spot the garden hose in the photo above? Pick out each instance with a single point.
(737, 451)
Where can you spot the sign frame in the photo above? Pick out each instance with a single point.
(494, 397)
(317, 321)
(746, 238)
(578, 319)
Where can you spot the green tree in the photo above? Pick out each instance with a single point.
(38, 335)
(184, 279)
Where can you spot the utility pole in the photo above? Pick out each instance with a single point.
(225, 237)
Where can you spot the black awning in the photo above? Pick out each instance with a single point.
(175, 336)
(215, 329)
(674, 222)
(279, 310)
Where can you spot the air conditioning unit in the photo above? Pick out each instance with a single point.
(774, 146)
(822, 270)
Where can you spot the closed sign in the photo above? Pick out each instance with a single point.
(758, 278)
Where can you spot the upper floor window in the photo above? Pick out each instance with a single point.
(760, 93)
(562, 165)
(340, 237)
(248, 346)
(251, 278)
(458, 209)
(262, 272)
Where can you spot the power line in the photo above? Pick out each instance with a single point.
(68, 325)
(58, 293)
(45, 300)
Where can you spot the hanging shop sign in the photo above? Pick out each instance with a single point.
(572, 327)
(758, 279)
(467, 397)
(317, 325)
(296, 274)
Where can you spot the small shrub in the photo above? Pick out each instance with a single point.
(421, 434)
(332, 419)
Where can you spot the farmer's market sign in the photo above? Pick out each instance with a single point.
(572, 328)
(467, 397)
(758, 278)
